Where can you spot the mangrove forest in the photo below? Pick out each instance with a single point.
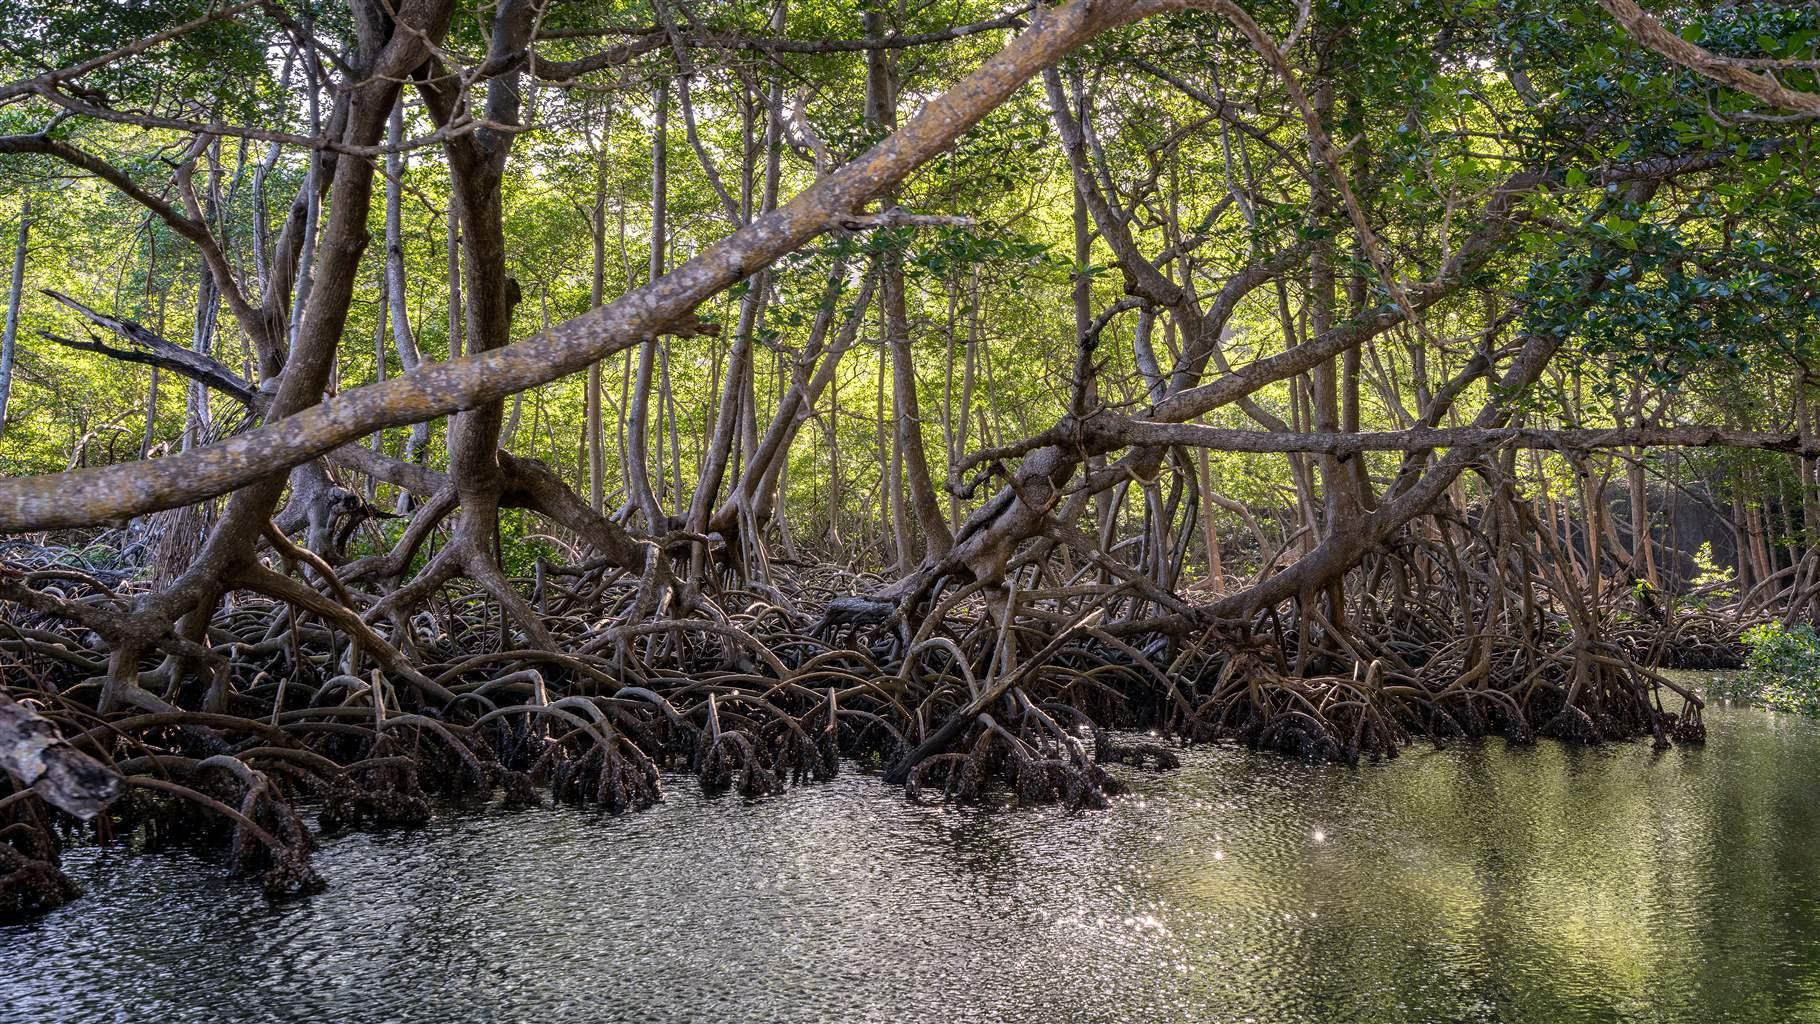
(1274, 510)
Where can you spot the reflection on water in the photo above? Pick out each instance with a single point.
(1477, 884)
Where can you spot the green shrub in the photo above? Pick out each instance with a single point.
(1714, 583)
(1782, 670)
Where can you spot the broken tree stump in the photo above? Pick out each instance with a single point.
(36, 754)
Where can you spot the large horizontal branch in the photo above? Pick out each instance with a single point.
(1126, 431)
(397, 472)
(529, 483)
(1106, 432)
(113, 493)
(613, 56)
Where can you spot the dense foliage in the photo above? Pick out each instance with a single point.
(1707, 302)
(1782, 670)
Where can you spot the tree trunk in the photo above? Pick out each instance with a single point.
(638, 418)
(403, 339)
(15, 296)
(881, 111)
(593, 439)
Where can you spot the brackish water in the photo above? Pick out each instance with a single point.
(1481, 883)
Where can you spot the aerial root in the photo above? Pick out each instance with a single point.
(1027, 696)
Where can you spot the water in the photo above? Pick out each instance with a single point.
(1479, 884)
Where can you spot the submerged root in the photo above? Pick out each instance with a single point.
(1136, 754)
(31, 873)
(730, 761)
(265, 835)
(1024, 767)
(1317, 718)
(378, 793)
(614, 774)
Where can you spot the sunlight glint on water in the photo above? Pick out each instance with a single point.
(1477, 884)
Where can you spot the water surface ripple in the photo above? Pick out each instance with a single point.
(1482, 883)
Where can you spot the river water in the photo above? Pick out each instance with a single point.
(1481, 883)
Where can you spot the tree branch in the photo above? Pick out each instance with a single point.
(86, 497)
(157, 352)
(1727, 71)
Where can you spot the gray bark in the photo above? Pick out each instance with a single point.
(9, 339)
